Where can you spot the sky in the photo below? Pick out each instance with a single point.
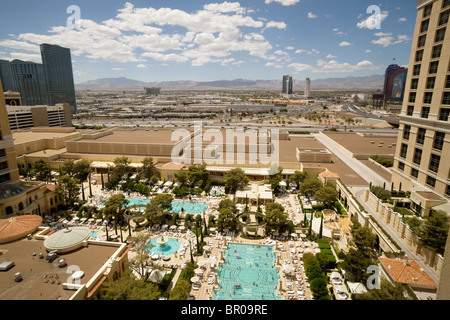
(213, 40)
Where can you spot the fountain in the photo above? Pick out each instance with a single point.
(162, 242)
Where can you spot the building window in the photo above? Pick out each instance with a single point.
(424, 25)
(419, 55)
(403, 150)
(417, 156)
(443, 114)
(447, 83)
(428, 97)
(421, 136)
(434, 67)
(434, 163)
(427, 10)
(440, 34)
(431, 182)
(446, 98)
(446, 4)
(431, 81)
(414, 84)
(425, 112)
(443, 19)
(437, 51)
(410, 111)
(401, 166)
(416, 71)
(412, 97)
(438, 140)
(406, 132)
(447, 191)
(414, 173)
(422, 40)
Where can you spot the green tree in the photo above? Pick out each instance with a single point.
(433, 233)
(41, 170)
(226, 219)
(228, 203)
(148, 169)
(158, 208)
(310, 186)
(181, 177)
(298, 177)
(275, 217)
(355, 263)
(69, 189)
(181, 290)
(128, 287)
(274, 180)
(82, 169)
(114, 208)
(386, 292)
(198, 175)
(67, 167)
(236, 179)
(327, 195)
(318, 287)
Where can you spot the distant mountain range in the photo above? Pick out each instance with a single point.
(373, 82)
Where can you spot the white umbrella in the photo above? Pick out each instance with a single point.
(173, 227)
(195, 279)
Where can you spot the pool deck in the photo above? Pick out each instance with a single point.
(205, 291)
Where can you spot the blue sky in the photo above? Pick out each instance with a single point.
(213, 40)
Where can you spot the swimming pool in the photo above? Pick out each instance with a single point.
(94, 234)
(177, 205)
(170, 248)
(247, 274)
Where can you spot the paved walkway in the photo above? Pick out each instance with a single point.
(362, 170)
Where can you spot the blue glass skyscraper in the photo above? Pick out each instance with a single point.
(6, 76)
(57, 63)
(29, 80)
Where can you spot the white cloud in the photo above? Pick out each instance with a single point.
(142, 66)
(24, 56)
(20, 45)
(368, 51)
(283, 2)
(336, 67)
(117, 69)
(344, 44)
(311, 15)
(225, 7)
(275, 24)
(386, 39)
(330, 56)
(290, 48)
(299, 67)
(402, 20)
(367, 23)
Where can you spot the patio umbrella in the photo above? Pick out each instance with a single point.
(198, 271)
(165, 226)
(173, 227)
(181, 228)
(195, 279)
(207, 248)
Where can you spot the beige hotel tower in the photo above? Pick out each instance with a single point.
(422, 158)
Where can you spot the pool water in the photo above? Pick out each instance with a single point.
(94, 234)
(247, 274)
(177, 205)
(170, 247)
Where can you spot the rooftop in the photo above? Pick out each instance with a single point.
(148, 136)
(88, 259)
(407, 271)
(358, 144)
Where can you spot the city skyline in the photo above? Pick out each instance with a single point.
(174, 40)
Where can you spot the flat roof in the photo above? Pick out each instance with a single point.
(358, 144)
(29, 136)
(150, 136)
(288, 148)
(88, 259)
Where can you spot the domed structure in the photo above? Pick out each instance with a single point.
(15, 228)
(67, 239)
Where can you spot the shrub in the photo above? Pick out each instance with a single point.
(381, 193)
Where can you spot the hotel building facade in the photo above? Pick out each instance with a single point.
(423, 146)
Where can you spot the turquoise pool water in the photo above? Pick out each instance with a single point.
(177, 205)
(247, 274)
(94, 234)
(170, 247)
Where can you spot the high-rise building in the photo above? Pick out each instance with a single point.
(307, 88)
(287, 85)
(9, 171)
(421, 160)
(57, 63)
(394, 83)
(6, 76)
(29, 80)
